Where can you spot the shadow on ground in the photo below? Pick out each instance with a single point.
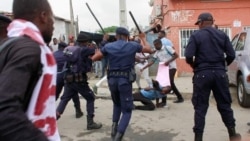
(137, 134)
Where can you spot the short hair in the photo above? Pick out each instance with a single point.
(157, 41)
(163, 32)
(29, 9)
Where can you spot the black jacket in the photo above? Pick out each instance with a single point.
(20, 69)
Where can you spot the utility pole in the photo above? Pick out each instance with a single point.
(72, 23)
(123, 13)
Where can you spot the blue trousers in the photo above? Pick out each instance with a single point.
(203, 83)
(59, 87)
(72, 89)
(121, 93)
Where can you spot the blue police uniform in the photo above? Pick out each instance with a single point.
(76, 80)
(208, 45)
(72, 89)
(60, 60)
(121, 58)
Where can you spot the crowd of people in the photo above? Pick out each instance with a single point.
(34, 73)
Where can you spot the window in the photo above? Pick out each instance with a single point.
(234, 41)
(241, 42)
(226, 30)
(246, 28)
(184, 37)
(186, 33)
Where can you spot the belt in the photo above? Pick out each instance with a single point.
(118, 73)
(75, 77)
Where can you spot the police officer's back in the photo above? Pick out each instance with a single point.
(76, 80)
(208, 52)
(59, 56)
(211, 44)
(121, 58)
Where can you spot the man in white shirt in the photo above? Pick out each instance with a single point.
(54, 45)
(168, 55)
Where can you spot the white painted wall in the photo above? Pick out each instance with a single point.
(61, 29)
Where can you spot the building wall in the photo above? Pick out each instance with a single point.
(182, 14)
(61, 29)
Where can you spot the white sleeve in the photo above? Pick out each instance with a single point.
(155, 55)
(170, 49)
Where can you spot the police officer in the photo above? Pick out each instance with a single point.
(60, 60)
(4, 22)
(212, 51)
(76, 79)
(121, 58)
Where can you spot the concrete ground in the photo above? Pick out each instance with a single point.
(163, 124)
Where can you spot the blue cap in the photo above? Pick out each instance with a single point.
(204, 17)
(122, 31)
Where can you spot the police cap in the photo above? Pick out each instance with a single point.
(82, 37)
(62, 45)
(122, 31)
(4, 19)
(204, 17)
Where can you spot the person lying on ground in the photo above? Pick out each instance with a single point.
(146, 95)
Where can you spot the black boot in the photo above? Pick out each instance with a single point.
(232, 134)
(118, 136)
(79, 113)
(91, 124)
(114, 130)
(198, 137)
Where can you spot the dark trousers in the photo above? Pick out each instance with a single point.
(203, 83)
(72, 89)
(173, 86)
(121, 93)
(147, 103)
(59, 87)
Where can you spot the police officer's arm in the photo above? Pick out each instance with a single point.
(145, 45)
(190, 51)
(230, 53)
(190, 61)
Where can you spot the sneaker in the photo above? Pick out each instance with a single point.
(166, 106)
(179, 101)
(94, 89)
